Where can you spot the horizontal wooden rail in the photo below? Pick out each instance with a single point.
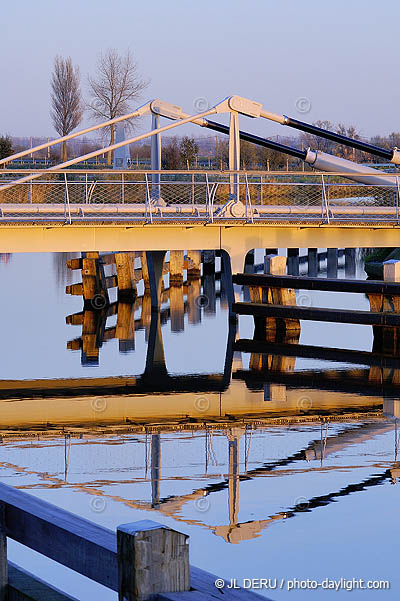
(75, 542)
(317, 314)
(324, 284)
(142, 560)
(317, 352)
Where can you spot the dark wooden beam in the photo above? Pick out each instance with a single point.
(326, 284)
(317, 314)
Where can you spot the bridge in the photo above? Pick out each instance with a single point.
(340, 204)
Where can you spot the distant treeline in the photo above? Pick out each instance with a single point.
(209, 151)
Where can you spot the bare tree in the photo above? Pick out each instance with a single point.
(66, 99)
(115, 86)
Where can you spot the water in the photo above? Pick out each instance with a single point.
(282, 475)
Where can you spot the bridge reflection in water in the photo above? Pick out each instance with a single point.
(336, 407)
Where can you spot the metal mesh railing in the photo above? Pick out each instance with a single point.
(70, 196)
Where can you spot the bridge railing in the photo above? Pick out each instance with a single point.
(76, 195)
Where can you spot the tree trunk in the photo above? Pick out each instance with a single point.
(112, 139)
(64, 152)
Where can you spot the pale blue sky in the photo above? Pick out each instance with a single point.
(342, 55)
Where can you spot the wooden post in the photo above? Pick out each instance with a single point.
(194, 307)
(145, 270)
(313, 262)
(176, 259)
(94, 283)
(125, 329)
(293, 261)
(177, 308)
(89, 280)
(387, 339)
(194, 266)
(3, 557)
(125, 264)
(152, 559)
(350, 262)
(332, 262)
(276, 265)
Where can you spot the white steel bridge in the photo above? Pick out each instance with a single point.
(62, 208)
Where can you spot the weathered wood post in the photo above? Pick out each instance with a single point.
(194, 301)
(177, 308)
(332, 262)
(125, 328)
(194, 266)
(350, 262)
(293, 261)
(152, 559)
(387, 339)
(275, 265)
(176, 260)
(125, 264)
(145, 271)
(3, 557)
(313, 262)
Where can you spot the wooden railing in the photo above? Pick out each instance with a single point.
(141, 561)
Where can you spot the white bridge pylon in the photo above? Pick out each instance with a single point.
(233, 105)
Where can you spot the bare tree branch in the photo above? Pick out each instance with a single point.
(114, 87)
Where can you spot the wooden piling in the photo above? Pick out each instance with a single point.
(90, 343)
(194, 309)
(194, 264)
(145, 270)
(176, 260)
(125, 329)
(313, 262)
(3, 556)
(90, 287)
(276, 265)
(293, 261)
(177, 308)
(350, 262)
(332, 262)
(94, 281)
(387, 339)
(125, 264)
(151, 559)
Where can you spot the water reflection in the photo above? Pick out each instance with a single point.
(285, 427)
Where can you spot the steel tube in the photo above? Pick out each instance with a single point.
(137, 113)
(339, 138)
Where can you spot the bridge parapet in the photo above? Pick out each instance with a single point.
(195, 197)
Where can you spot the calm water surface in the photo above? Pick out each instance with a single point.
(276, 470)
